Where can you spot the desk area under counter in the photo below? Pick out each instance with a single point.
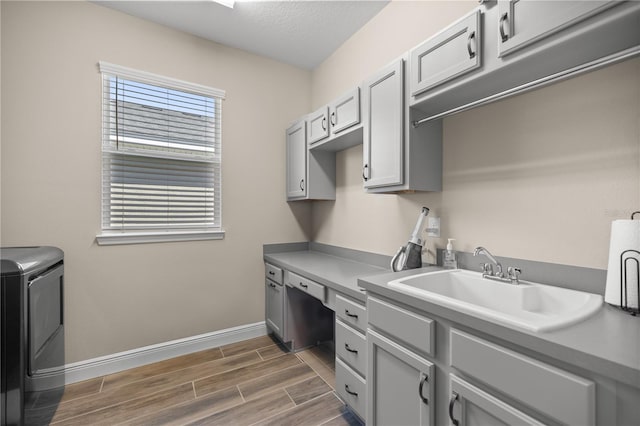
(312, 296)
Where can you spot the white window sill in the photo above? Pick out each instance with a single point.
(108, 238)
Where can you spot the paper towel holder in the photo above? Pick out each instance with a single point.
(624, 264)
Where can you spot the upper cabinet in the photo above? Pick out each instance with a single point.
(449, 54)
(507, 47)
(523, 22)
(296, 161)
(396, 156)
(383, 127)
(318, 125)
(334, 119)
(345, 111)
(310, 176)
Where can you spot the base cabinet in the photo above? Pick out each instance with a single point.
(400, 384)
(274, 309)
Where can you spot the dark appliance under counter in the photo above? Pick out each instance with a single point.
(32, 325)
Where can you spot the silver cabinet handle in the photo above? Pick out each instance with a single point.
(422, 382)
(472, 53)
(365, 169)
(302, 184)
(503, 20)
(350, 392)
(324, 123)
(454, 398)
(333, 116)
(349, 314)
(353, 351)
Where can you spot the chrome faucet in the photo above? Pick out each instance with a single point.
(487, 267)
(513, 274)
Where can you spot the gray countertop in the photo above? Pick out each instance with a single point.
(337, 272)
(607, 343)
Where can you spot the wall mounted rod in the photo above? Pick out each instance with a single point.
(542, 82)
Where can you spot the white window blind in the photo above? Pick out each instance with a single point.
(161, 153)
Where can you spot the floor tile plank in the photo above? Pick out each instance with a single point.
(80, 389)
(281, 379)
(251, 411)
(244, 374)
(143, 405)
(192, 410)
(272, 351)
(311, 413)
(309, 389)
(247, 345)
(132, 375)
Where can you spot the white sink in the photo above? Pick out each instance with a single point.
(530, 306)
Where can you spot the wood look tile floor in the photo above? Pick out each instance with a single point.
(253, 382)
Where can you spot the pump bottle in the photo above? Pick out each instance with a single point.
(450, 259)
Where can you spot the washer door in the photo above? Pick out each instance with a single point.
(46, 321)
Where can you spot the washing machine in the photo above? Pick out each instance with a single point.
(32, 341)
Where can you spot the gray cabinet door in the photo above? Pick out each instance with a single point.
(400, 384)
(274, 312)
(471, 406)
(523, 22)
(345, 111)
(296, 161)
(383, 127)
(447, 55)
(317, 125)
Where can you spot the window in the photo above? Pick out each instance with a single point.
(161, 158)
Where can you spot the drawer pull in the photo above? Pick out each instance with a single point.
(346, 312)
(422, 382)
(346, 388)
(353, 351)
(304, 285)
(271, 273)
(272, 285)
(452, 401)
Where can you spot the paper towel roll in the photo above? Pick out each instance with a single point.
(625, 235)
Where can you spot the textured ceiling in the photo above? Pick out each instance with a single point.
(300, 33)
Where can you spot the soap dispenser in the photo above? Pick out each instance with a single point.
(450, 260)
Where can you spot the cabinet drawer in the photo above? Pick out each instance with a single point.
(273, 273)
(351, 312)
(301, 283)
(525, 379)
(352, 388)
(413, 329)
(351, 346)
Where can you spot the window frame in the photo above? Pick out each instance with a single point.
(109, 236)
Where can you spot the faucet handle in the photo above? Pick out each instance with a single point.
(514, 273)
(487, 268)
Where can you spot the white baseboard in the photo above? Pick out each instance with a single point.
(109, 364)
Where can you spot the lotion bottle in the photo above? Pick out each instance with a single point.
(450, 261)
